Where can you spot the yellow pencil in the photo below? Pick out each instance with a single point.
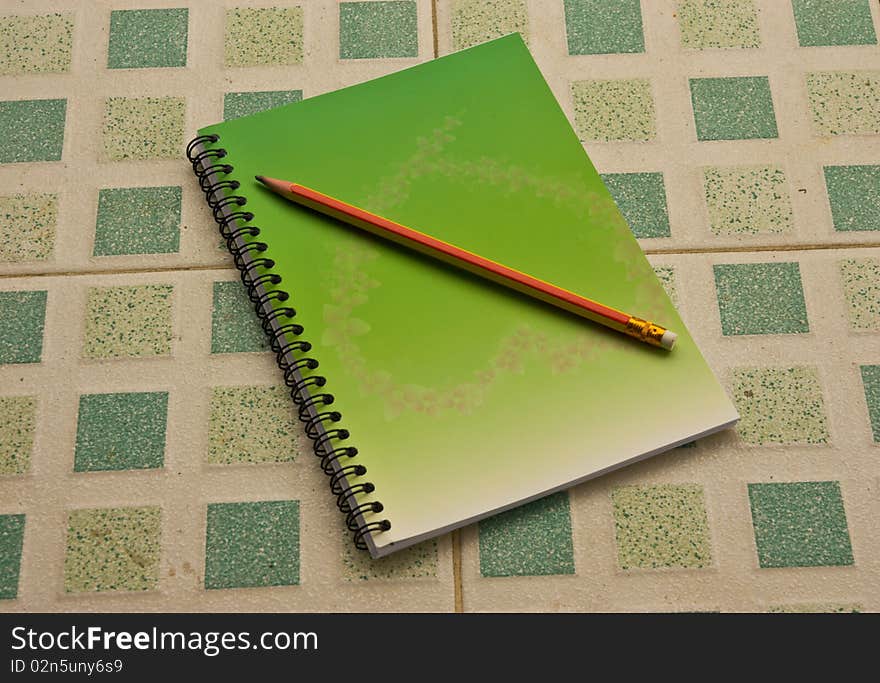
(639, 328)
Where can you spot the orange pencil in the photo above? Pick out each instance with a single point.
(592, 310)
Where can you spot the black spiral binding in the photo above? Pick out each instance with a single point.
(263, 288)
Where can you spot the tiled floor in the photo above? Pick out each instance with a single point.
(149, 459)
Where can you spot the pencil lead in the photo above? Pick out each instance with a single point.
(262, 179)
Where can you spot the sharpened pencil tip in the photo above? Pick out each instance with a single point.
(262, 179)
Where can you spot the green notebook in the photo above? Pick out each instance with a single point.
(436, 398)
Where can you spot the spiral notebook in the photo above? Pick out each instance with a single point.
(434, 398)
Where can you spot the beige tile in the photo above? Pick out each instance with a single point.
(740, 202)
(161, 514)
(675, 533)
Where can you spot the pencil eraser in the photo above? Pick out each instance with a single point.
(667, 341)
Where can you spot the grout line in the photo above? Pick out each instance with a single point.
(757, 248)
(458, 602)
(434, 28)
(456, 570)
(649, 252)
(122, 271)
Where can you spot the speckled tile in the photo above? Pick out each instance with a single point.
(138, 220)
(854, 195)
(816, 608)
(122, 431)
(253, 424)
(143, 38)
(844, 102)
(603, 26)
(252, 544)
(610, 110)
(27, 227)
(11, 538)
(733, 108)
(22, 318)
(871, 383)
(668, 278)
(235, 327)
(32, 130)
(259, 36)
(641, 198)
(39, 43)
(143, 128)
(237, 104)
(747, 200)
(834, 22)
(136, 432)
(708, 24)
(763, 195)
(800, 524)
(18, 420)
(128, 321)
(760, 298)
(532, 540)
(662, 526)
(378, 29)
(476, 21)
(860, 279)
(779, 405)
(113, 549)
(416, 562)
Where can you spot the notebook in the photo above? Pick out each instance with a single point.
(435, 398)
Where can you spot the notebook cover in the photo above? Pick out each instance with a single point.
(464, 398)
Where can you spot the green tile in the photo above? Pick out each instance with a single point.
(416, 562)
(27, 227)
(661, 526)
(253, 424)
(261, 36)
(733, 108)
(252, 544)
(32, 130)
(235, 327)
(237, 104)
(113, 549)
(801, 524)
(854, 195)
(747, 200)
(610, 110)
(596, 27)
(376, 30)
(144, 38)
(35, 44)
(128, 321)
(11, 538)
(861, 288)
(18, 420)
(143, 127)
(476, 21)
(760, 298)
(709, 24)
(845, 102)
(530, 540)
(779, 405)
(121, 431)
(22, 317)
(871, 382)
(667, 277)
(834, 22)
(641, 198)
(138, 220)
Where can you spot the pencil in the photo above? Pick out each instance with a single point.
(639, 328)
